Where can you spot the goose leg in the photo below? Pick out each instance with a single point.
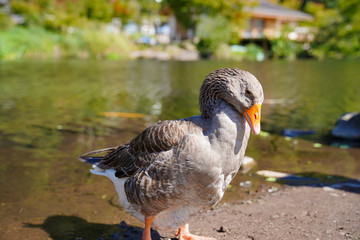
(147, 229)
(184, 234)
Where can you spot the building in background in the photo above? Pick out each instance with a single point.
(267, 21)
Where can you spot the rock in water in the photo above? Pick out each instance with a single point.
(348, 126)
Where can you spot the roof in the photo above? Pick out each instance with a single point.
(266, 9)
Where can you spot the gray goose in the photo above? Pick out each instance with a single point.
(176, 168)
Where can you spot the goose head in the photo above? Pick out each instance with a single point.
(239, 88)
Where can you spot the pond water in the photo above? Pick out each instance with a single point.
(36, 99)
(51, 112)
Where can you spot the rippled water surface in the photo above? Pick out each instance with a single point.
(51, 112)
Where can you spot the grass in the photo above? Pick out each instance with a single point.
(38, 43)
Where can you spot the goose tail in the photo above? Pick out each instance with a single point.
(95, 157)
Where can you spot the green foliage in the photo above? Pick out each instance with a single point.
(250, 52)
(56, 15)
(65, 28)
(18, 42)
(73, 45)
(147, 7)
(338, 30)
(5, 22)
(212, 32)
(28, 9)
(106, 45)
(216, 22)
(60, 21)
(36, 42)
(98, 9)
(292, 3)
(283, 47)
(189, 12)
(126, 10)
(254, 53)
(185, 11)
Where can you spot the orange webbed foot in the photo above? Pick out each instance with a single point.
(184, 234)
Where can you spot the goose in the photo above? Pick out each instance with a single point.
(176, 168)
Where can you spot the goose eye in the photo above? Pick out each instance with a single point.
(248, 92)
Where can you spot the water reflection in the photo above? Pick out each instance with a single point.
(37, 99)
(314, 94)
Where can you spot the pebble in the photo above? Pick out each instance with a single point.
(328, 189)
(271, 179)
(223, 229)
(247, 164)
(272, 189)
(317, 145)
(251, 237)
(123, 225)
(246, 184)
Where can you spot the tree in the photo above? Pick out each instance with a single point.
(188, 12)
(338, 30)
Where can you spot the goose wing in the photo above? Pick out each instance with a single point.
(143, 149)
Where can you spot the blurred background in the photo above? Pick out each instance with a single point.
(79, 75)
(233, 29)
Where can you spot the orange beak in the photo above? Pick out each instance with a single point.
(252, 116)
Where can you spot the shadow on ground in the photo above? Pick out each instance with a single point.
(315, 179)
(72, 227)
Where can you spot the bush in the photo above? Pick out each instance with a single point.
(36, 42)
(73, 46)
(98, 9)
(251, 52)
(338, 29)
(283, 47)
(5, 22)
(19, 42)
(62, 21)
(212, 33)
(106, 45)
(254, 53)
(30, 11)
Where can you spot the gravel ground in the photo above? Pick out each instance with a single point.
(291, 213)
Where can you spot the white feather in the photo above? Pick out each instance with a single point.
(119, 186)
